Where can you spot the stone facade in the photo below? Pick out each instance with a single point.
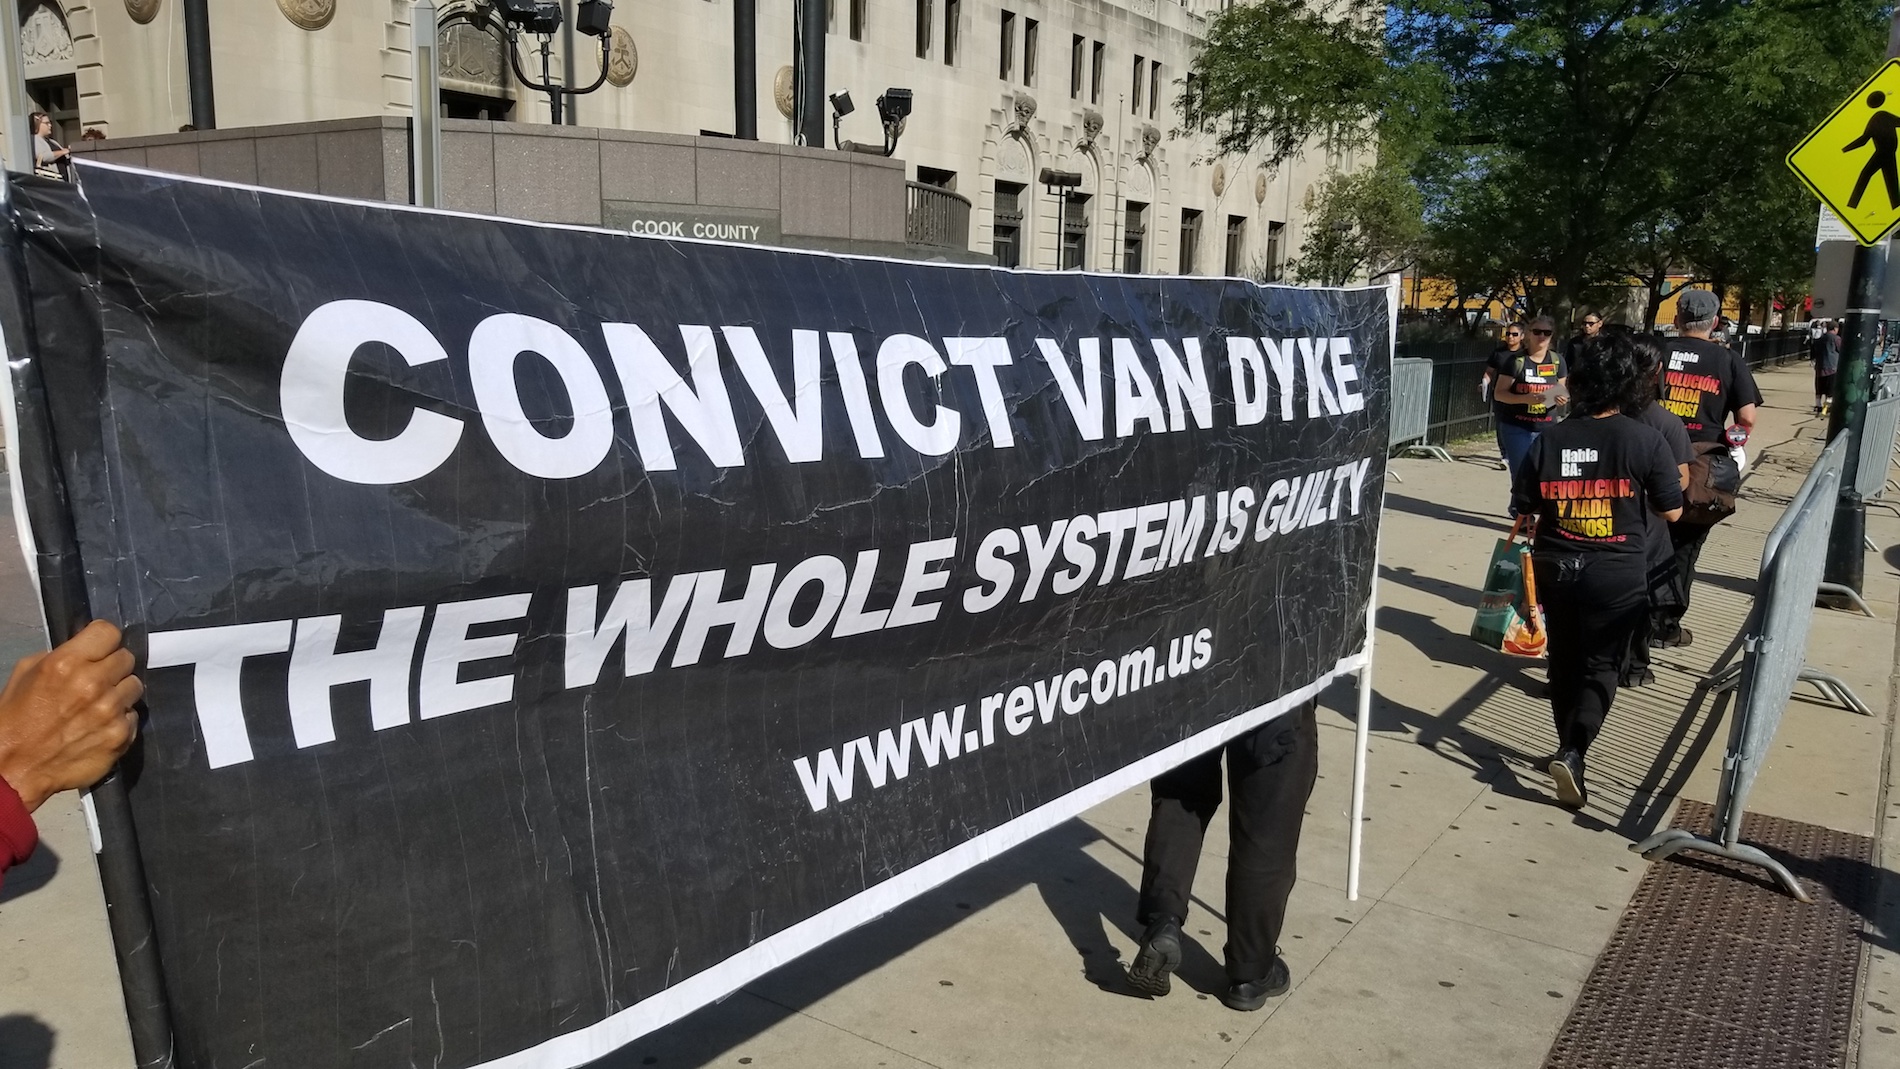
(981, 122)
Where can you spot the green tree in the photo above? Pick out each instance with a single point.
(1368, 222)
(1278, 74)
(1583, 143)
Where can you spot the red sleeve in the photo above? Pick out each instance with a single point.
(18, 836)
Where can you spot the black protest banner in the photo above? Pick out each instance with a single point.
(548, 630)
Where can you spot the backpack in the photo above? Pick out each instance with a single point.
(1714, 478)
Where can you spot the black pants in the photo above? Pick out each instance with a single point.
(1270, 771)
(1591, 606)
(1686, 539)
(1661, 584)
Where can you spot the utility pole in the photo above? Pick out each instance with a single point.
(1853, 388)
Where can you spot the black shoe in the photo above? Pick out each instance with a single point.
(1638, 679)
(1250, 996)
(1682, 637)
(1566, 772)
(1157, 957)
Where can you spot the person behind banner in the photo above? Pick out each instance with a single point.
(1661, 582)
(1525, 391)
(50, 158)
(1589, 481)
(1704, 384)
(65, 717)
(1270, 774)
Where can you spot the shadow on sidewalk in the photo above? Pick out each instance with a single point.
(25, 1042)
(1519, 732)
(1081, 893)
(1433, 510)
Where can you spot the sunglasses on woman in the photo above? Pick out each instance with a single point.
(1541, 333)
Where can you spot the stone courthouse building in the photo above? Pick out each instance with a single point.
(1001, 90)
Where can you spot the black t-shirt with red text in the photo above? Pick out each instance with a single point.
(1592, 482)
(1703, 383)
(1521, 368)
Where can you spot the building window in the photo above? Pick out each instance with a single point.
(1134, 236)
(952, 16)
(1099, 57)
(857, 19)
(1154, 87)
(1075, 231)
(1006, 55)
(1008, 228)
(1236, 243)
(923, 29)
(1031, 37)
(459, 105)
(1190, 239)
(1276, 233)
(1075, 67)
(1135, 84)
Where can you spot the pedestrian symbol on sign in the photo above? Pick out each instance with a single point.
(1852, 159)
(1883, 131)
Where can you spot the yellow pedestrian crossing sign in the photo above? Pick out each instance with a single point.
(1852, 160)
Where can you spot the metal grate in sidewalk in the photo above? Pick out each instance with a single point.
(1712, 966)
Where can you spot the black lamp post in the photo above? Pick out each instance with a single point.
(542, 19)
(1057, 184)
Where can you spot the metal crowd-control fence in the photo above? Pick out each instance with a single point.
(1774, 658)
(1876, 454)
(1411, 411)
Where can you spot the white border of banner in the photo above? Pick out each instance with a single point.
(605, 1036)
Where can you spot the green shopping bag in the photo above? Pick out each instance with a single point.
(1509, 619)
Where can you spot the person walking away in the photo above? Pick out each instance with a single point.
(50, 158)
(1826, 353)
(1592, 326)
(1589, 480)
(1703, 384)
(1660, 577)
(1523, 392)
(1270, 774)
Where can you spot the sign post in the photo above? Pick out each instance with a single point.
(1852, 162)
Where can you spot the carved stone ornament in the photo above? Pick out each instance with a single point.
(1091, 125)
(1025, 109)
(1260, 188)
(308, 14)
(466, 55)
(1012, 160)
(1141, 184)
(782, 91)
(623, 60)
(142, 11)
(1220, 179)
(46, 46)
(1150, 138)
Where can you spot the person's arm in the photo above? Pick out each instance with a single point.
(1665, 494)
(1526, 495)
(65, 717)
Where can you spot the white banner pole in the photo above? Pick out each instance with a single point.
(1362, 727)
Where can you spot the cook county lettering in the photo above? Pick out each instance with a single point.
(1157, 388)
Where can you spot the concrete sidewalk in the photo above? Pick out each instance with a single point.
(1483, 905)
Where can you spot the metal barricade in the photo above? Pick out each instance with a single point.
(1774, 658)
(1876, 448)
(1411, 411)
